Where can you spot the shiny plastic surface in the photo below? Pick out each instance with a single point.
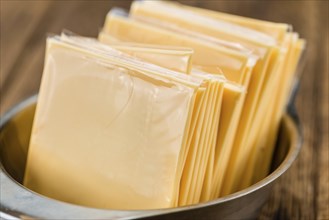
(174, 58)
(107, 135)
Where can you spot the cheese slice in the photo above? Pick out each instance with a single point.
(88, 105)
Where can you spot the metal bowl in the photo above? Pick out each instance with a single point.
(18, 201)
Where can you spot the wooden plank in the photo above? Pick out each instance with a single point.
(81, 17)
(18, 21)
(321, 131)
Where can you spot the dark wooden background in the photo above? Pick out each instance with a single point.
(303, 192)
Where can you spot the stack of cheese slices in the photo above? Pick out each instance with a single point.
(172, 106)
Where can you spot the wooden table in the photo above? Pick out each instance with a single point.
(303, 193)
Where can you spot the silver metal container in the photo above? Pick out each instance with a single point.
(19, 202)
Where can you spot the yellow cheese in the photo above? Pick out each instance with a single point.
(203, 83)
(78, 116)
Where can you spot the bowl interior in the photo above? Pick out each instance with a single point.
(15, 130)
(14, 142)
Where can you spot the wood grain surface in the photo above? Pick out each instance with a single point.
(302, 193)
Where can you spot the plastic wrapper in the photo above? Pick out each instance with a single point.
(205, 94)
(106, 134)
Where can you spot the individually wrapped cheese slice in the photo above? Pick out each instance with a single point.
(89, 104)
(174, 58)
(207, 122)
(207, 57)
(264, 75)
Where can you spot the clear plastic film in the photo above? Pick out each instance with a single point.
(207, 56)
(103, 50)
(108, 135)
(174, 58)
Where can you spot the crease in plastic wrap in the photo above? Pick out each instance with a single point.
(174, 58)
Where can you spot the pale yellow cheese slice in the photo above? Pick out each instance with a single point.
(79, 117)
(202, 83)
(202, 147)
